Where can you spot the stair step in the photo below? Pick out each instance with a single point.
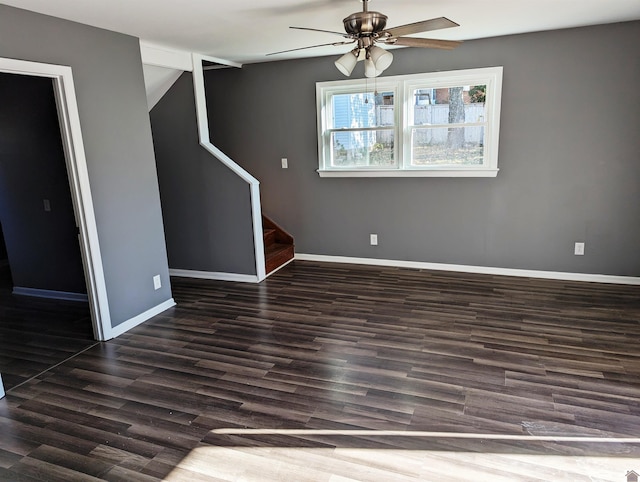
(278, 245)
(269, 236)
(277, 254)
(276, 248)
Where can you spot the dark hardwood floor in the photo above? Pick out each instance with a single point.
(342, 372)
(36, 333)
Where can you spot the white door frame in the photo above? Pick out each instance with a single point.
(79, 182)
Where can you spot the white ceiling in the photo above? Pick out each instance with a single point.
(245, 30)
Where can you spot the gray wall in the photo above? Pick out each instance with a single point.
(112, 105)
(206, 207)
(569, 158)
(42, 246)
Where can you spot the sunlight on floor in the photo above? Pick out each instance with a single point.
(273, 463)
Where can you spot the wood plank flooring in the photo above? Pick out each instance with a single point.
(36, 333)
(342, 372)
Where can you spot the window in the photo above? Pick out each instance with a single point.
(436, 124)
(362, 129)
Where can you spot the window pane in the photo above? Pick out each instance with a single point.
(449, 105)
(363, 110)
(363, 148)
(440, 146)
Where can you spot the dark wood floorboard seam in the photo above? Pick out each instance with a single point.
(52, 367)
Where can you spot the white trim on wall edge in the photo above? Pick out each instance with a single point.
(205, 141)
(139, 319)
(213, 275)
(160, 56)
(76, 162)
(525, 273)
(51, 294)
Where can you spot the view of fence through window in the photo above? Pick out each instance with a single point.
(451, 130)
(447, 127)
(363, 129)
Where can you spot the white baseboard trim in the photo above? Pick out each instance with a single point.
(141, 318)
(189, 273)
(525, 273)
(51, 294)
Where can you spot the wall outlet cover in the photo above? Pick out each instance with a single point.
(157, 283)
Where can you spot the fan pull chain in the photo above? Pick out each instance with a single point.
(375, 95)
(366, 90)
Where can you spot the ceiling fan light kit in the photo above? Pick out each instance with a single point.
(347, 62)
(381, 57)
(377, 61)
(370, 70)
(367, 28)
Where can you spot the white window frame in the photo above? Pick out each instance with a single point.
(403, 87)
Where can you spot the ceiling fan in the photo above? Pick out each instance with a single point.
(365, 29)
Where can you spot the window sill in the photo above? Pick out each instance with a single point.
(408, 173)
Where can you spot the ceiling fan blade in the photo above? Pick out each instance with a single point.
(320, 30)
(334, 44)
(426, 43)
(424, 26)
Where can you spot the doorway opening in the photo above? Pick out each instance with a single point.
(67, 260)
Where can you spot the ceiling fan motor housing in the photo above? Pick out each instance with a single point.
(364, 23)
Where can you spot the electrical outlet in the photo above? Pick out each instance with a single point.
(285, 163)
(157, 284)
(47, 205)
(373, 239)
(578, 250)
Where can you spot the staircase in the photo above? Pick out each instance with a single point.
(278, 245)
